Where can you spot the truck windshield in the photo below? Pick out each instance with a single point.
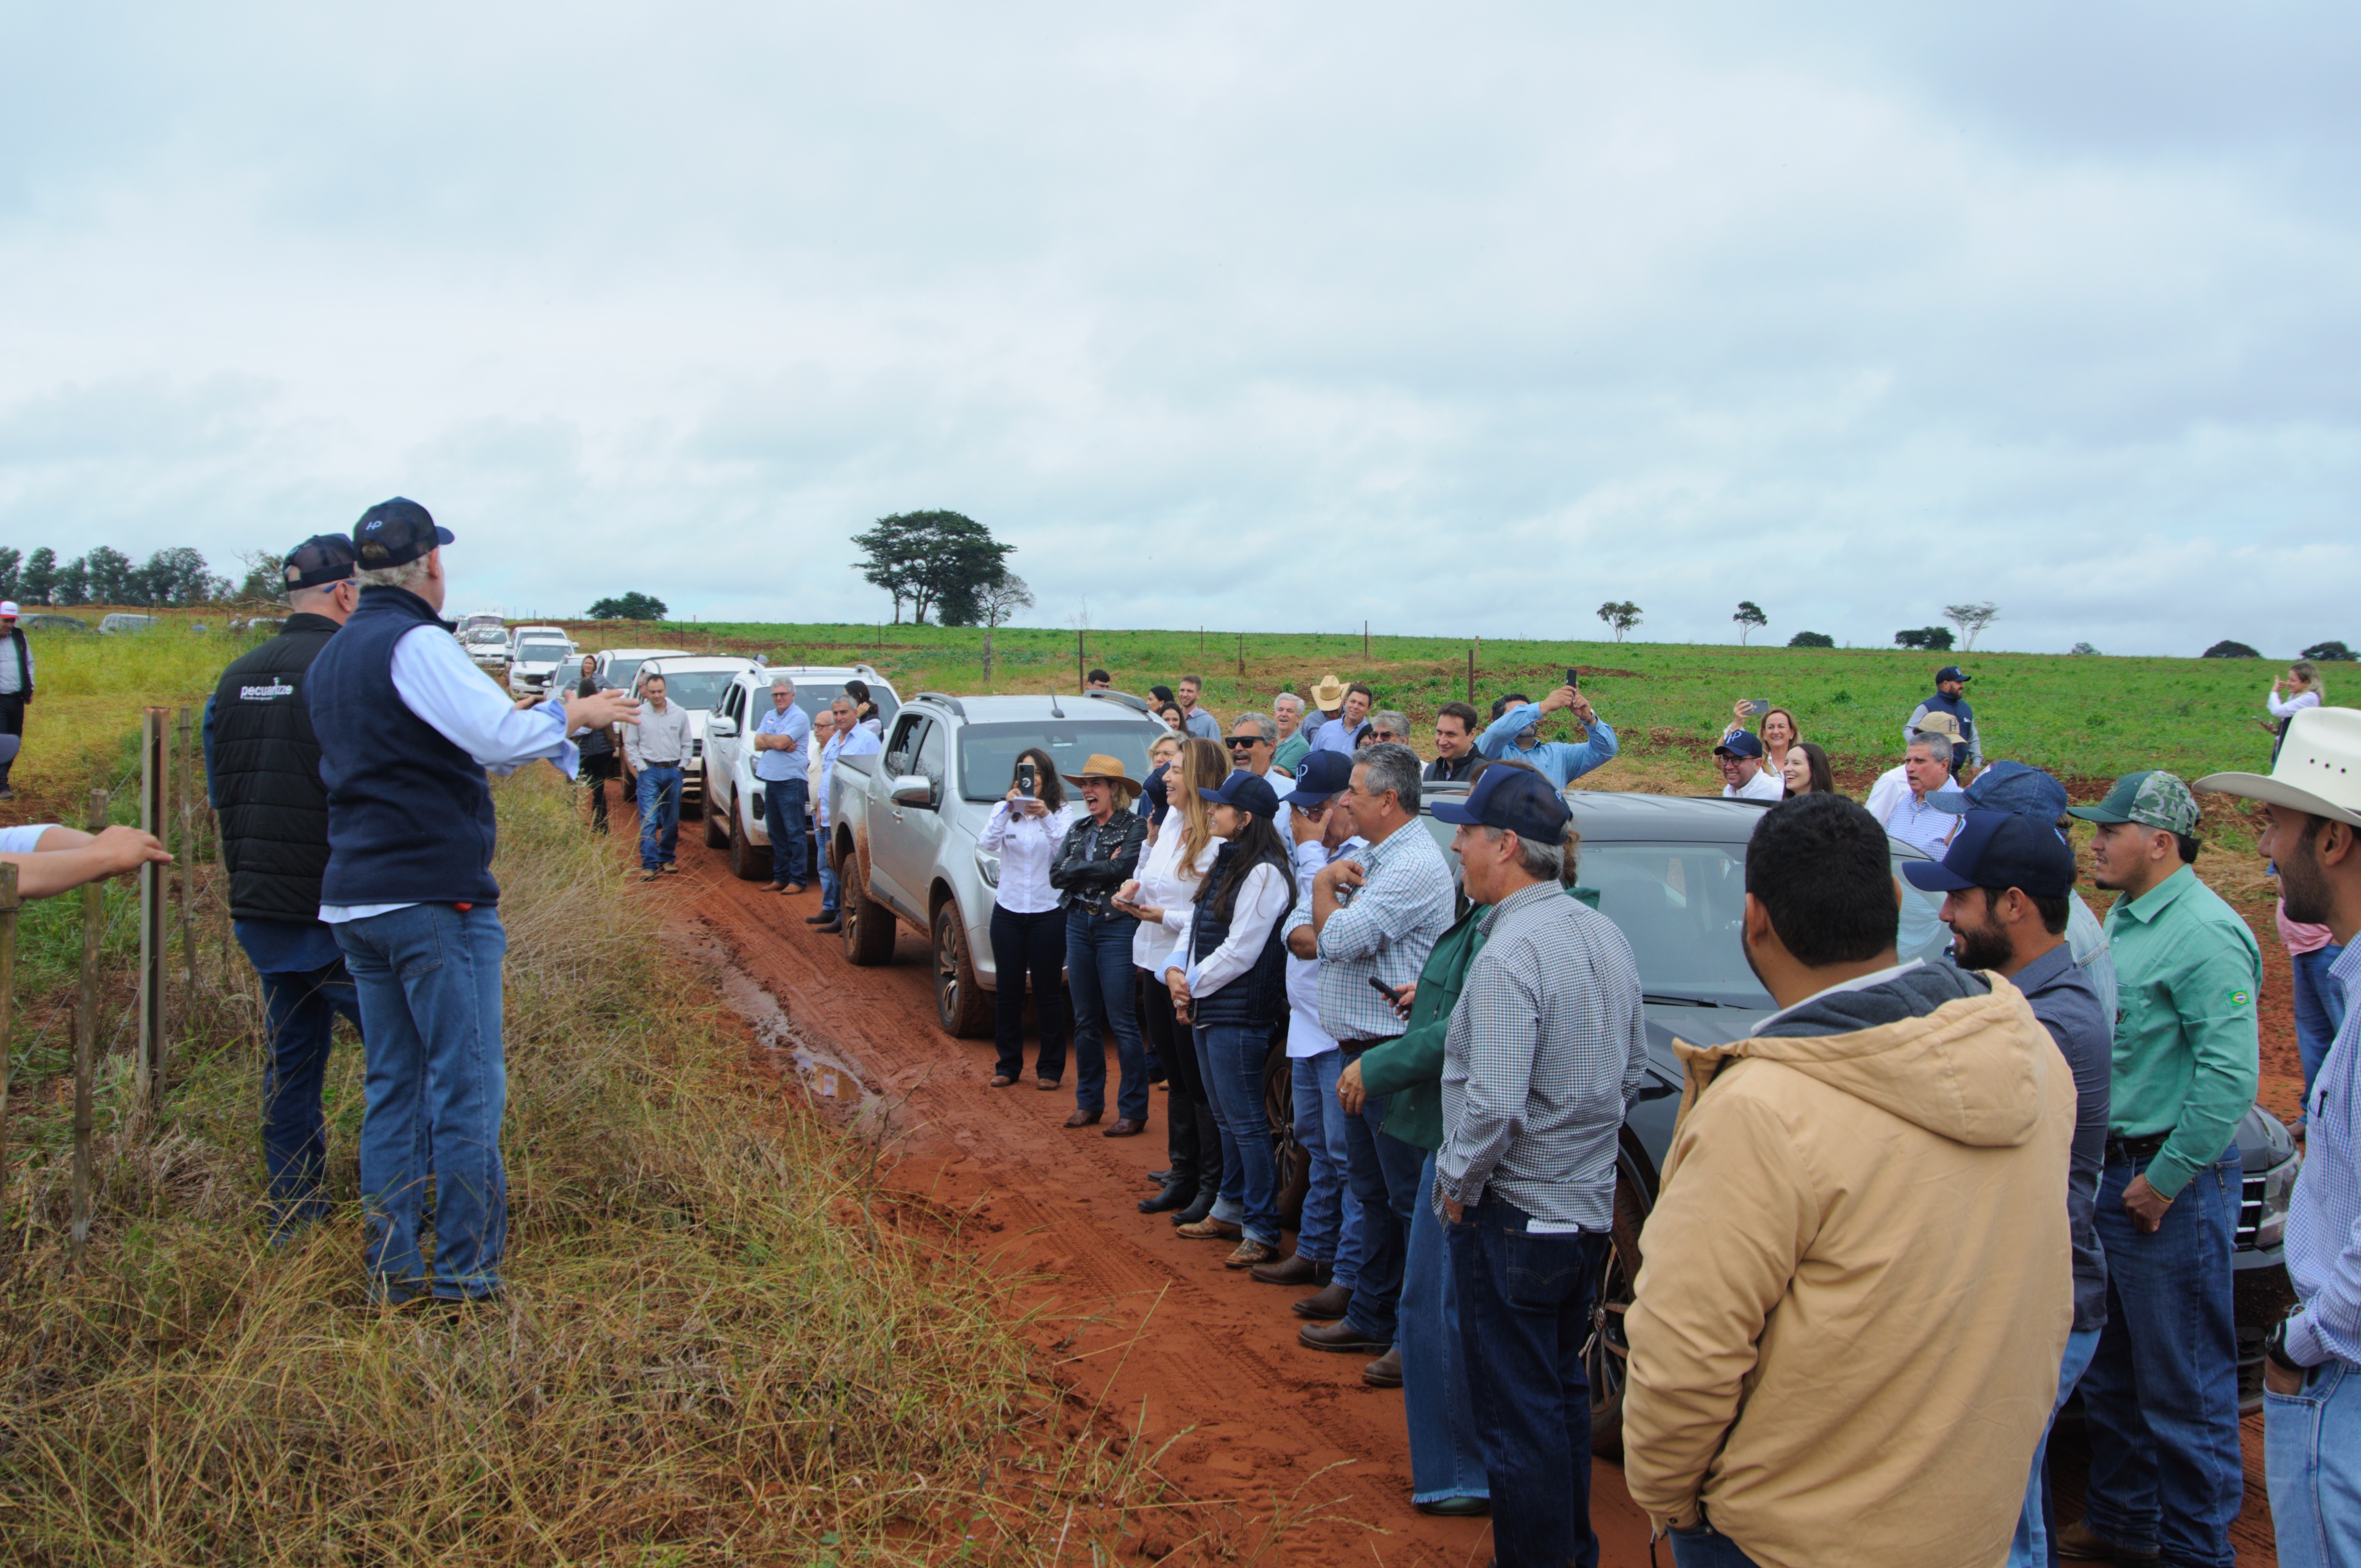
(697, 688)
(988, 752)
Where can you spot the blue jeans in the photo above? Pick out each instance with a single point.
(1230, 1188)
(1098, 978)
(1319, 1129)
(830, 890)
(2032, 1547)
(1524, 1312)
(1446, 1457)
(2161, 1394)
(301, 1011)
(2312, 1447)
(1384, 1173)
(782, 819)
(1233, 1056)
(1703, 1546)
(429, 980)
(659, 815)
(2319, 1010)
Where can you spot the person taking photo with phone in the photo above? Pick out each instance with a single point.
(1516, 733)
(1028, 928)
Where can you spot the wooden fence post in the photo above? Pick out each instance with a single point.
(155, 781)
(1081, 683)
(1365, 641)
(94, 915)
(1471, 675)
(185, 774)
(8, 1013)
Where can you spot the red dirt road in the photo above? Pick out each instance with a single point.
(1152, 1326)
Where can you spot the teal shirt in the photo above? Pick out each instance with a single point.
(2188, 1051)
(1291, 753)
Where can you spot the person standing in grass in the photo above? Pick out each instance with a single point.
(1195, 721)
(15, 686)
(1515, 733)
(2304, 675)
(407, 727)
(599, 764)
(781, 741)
(1950, 701)
(2161, 1396)
(654, 751)
(1906, 802)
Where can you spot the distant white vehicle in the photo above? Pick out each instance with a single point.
(537, 654)
(487, 645)
(616, 666)
(119, 624)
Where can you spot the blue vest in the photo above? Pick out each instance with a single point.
(409, 815)
(1957, 706)
(1257, 998)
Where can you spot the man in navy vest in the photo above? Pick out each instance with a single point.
(1950, 697)
(407, 727)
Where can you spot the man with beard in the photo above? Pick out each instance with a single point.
(2311, 1361)
(2007, 882)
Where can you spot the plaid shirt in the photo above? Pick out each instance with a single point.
(1546, 1050)
(1393, 923)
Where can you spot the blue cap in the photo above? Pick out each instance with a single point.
(1322, 774)
(1741, 743)
(1516, 800)
(2007, 786)
(1999, 848)
(319, 560)
(1246, 791)
(1953, 672)
(395, 532)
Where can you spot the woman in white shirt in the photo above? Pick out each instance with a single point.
(2306, 694)
(1028, 928)
(1228, 979)
(1176, 862)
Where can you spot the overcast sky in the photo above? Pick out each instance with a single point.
(1458, 319)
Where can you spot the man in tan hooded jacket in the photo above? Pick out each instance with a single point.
(1858, 1279)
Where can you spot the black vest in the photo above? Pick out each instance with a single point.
(266, 777)
(1257, 998)
(409, 815)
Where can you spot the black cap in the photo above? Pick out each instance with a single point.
(319, 560)
(396, 532)
(1515, 800)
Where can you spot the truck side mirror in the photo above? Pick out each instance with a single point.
(721, 728)
(915, 789)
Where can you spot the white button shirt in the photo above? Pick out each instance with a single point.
(1166, 884)
(1025, 845)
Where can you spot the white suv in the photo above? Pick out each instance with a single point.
(695, 682)
(538, 654)
(616, 666)
(733, 807)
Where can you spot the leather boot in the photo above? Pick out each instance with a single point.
(1180, 1182)
(1209, 1167)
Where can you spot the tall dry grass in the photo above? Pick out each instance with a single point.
(709, 1349)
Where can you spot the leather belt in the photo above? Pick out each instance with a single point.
(2132, 1151)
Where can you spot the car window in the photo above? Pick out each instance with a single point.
(899, 750)
(930, 757)
(811, 698)
(697, 688)
(988, 752)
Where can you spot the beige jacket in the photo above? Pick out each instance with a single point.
(1856, 1289)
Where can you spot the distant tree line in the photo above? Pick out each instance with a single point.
(106, 575)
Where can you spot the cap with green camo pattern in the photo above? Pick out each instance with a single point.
(2154, 799)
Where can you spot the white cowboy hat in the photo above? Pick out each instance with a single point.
(2319, 770)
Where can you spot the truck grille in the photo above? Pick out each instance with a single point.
(2250, 1212)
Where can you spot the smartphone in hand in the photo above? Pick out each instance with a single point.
(1573, 677)
(1027, 777)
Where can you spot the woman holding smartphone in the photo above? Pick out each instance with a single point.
(1028, 928)
(1169, 873)
(1228, 979)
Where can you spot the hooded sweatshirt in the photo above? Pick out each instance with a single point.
(1858, 1278)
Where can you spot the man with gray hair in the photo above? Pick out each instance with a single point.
(1375, 913)
(1389, 725)
(1286, 709)
(781, 744)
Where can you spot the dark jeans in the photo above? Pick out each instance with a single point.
(1524, 1312)
(300, 1009)
(12, 717)
(2319, 1010)
(1233, 1056)
(1032, 945)
(1384, 1173)
(784, 805)
(2161, 1395)
(1705, 1547)
(1098, 976)
(596, 771)
(659, 794)
(429, 980)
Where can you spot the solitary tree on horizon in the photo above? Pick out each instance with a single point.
(995, 603)
(1749, 616)
(1622, 617)
(1971, 619)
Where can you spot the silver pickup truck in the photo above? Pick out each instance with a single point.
(906, 821)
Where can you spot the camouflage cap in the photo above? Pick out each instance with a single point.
(2154, 799)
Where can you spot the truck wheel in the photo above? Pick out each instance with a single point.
(717, 835)
(962, 1005)
(1606, 1354)
(746, 862)
(866, 925)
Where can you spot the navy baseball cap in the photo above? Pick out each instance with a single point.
(2007, 786)
(1953, 672)
(1741, 743)
(1516, 800)
(322, 559)
(1999, 848)
(1322, 773)
(1246, 791)
(396, 532)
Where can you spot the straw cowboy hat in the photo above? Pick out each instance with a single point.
(1102, 766)
(2318, 772)
(1329, 695)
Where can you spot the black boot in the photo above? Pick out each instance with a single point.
(1181, 1183)
(1209, 1165)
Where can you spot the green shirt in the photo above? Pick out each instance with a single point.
(1292, 750)
(2188, 1054)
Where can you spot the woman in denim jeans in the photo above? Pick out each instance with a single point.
(1228, 980)
(1100, 853)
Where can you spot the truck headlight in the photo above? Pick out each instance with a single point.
(987, 865)
(2278, 1186)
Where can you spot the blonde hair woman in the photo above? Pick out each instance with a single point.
(2305, 676)
(1168, 877)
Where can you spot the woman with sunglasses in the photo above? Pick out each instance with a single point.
(1169, 873)
(1228, 975)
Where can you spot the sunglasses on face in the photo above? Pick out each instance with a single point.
(1385, 735)
(1245, 742)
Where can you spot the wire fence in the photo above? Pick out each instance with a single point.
(205, 990)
